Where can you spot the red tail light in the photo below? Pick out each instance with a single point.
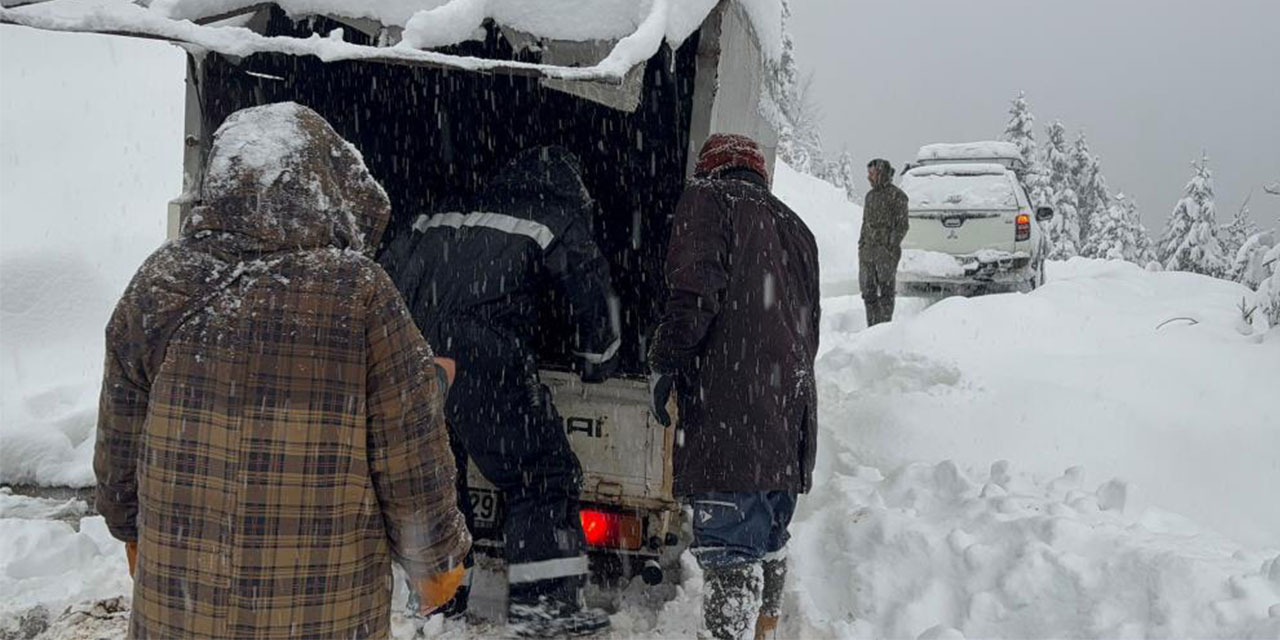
(612, 530)
(1022, 230)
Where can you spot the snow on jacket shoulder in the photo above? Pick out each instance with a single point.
(740, 331)
(270, 430)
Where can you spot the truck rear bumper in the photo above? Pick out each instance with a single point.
(984, 272)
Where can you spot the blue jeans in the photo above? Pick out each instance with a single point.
(737, 528)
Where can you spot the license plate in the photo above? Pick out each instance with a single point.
(486, 508)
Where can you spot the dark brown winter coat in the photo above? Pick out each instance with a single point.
(740, 330)
(270, 429)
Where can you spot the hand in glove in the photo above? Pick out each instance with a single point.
(660, 385)
(131, 553)
(446, 371)
(435, 591)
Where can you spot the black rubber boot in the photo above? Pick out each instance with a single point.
(552, 609)
(731, 600)
(775, 577)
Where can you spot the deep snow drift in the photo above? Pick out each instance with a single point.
(86, 170)
(1137, 500)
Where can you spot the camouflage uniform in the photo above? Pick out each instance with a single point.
(884, 225)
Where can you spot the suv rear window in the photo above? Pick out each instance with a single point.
(944, 191)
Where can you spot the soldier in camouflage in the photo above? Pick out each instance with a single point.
(884, 225)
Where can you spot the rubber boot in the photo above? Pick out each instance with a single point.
(731, 602)
(775, 576)
(552, 609)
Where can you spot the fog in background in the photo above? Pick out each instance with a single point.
(90, 154)
(1152, 82)
(74, 173)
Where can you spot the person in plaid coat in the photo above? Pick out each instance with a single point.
(270, 434)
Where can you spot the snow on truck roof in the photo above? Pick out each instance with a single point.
(407, 29)
(984, 150)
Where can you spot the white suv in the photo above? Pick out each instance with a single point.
(972, 227)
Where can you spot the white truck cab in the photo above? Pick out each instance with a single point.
(972, 226)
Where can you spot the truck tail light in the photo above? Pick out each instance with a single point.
(612, 530)
(1022, 228)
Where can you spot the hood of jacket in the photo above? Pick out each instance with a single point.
(542, 175)
(279, 178)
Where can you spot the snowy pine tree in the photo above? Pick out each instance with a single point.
(1021, 131)
(845, 175)
(1268, 295)
(1190, 241)
(1147, 254)
(1093, 197)
(1118, 233)
(793, 109)
(1234, 234)
(1064, 229)
(1251, 267)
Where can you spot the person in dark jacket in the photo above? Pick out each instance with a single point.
(738, 339)
(884, 225)
(473, 278)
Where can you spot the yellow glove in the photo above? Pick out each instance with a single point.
(435, 591)
(131, 552)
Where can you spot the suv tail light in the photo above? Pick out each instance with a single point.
(612, 530)
(1022, 228)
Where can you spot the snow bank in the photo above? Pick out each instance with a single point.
(74, 232)
(1075, 373)
(49, 563)
(835, 222)
(928, 551)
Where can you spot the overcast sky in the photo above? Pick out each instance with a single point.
(1152, 82)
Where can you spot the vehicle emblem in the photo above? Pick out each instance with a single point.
(952, 235)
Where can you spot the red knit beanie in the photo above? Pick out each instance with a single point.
(724, 151)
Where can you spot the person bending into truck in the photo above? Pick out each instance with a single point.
(884, 225)
(737, 340)
(474, 277)
(271, 430)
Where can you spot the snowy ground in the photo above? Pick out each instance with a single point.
(1137, 500)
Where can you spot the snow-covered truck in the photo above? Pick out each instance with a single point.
(437, 94)
(972, 225)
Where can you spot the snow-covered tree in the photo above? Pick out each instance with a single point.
(1021, 131)
(845, 174)
(1190, 241)
(794, 109)
(1147, 254)
(1235, 233)
(1251, 267)
(1118, 234)
(1064, 229)
(1267, 297)
(1093, 197)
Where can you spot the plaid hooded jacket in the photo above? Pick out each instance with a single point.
(270, 430)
